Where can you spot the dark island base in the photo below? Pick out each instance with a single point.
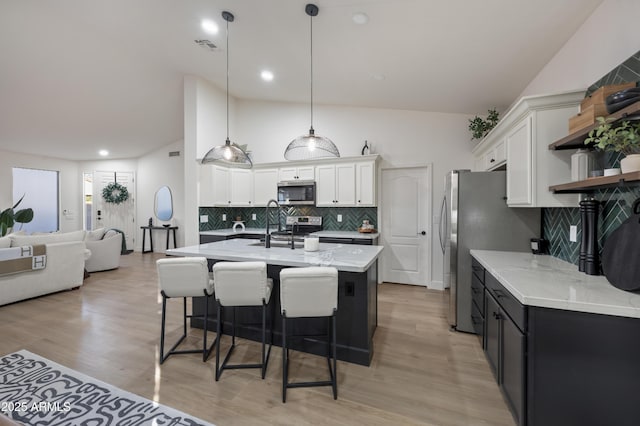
(357, 318)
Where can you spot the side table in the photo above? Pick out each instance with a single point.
(151, 228)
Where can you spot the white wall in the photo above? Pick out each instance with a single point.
(606, 39)
(69, 184)
(155, 170)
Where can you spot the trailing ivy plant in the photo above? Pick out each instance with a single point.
(11, 216)
(480, 127)
(618, 136)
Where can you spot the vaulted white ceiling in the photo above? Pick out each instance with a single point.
(79, 75)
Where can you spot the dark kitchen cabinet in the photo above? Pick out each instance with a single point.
(337, 240)
(492, 336)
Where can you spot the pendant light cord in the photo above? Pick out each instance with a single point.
(227, 82)
(311, 71)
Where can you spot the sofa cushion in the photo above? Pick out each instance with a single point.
(29, 240)
(5, 242)
(95, 235)
(110, 233)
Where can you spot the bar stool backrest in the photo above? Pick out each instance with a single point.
(308, 292)
(184, 276)
(241, 283)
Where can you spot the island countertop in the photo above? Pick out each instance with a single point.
(548, 282)
(344, 257)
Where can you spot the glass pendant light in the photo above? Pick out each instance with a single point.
(229, 154)
(311, 146)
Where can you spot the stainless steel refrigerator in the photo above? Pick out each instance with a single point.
(474, 215)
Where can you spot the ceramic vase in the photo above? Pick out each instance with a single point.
(630, 163)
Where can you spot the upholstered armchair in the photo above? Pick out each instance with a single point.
(106, 247)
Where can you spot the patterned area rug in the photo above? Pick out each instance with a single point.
(34, 390)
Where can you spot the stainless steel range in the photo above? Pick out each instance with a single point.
(299, 226)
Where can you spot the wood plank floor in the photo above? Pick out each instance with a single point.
(421, 373)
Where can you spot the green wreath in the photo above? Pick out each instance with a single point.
(115, 193)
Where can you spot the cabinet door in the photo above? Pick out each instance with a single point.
(221, 186)
(205, 188)
(306, 173)
(241, 187)
(345, 184)
(325, 186)
(287, 173)
(365, 184)
(265, 186)
(513, 369)
(492, 334)
(519, 172)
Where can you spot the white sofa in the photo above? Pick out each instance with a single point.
(65, 266)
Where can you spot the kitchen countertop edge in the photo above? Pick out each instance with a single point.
(548, 282)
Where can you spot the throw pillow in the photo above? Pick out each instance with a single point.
(29, 240)
(95, 235)
(5, 242)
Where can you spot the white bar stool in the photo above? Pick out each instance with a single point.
(184, 277)
(242, 284)
(309, 292)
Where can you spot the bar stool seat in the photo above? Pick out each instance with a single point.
(309, 292)
(184, 277)
(240, 284)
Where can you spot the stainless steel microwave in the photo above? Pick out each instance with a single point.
(297, 192)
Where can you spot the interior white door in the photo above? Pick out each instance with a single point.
(119, 216)
(406, 233)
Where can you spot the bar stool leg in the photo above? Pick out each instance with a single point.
(218, 334)
(164, 317)
(335, 365)
(285, 361)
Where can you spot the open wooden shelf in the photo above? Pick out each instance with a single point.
(576, 140)
(595, 183)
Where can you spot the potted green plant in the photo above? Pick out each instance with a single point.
(11, 216)
(480, 127)
(621, 136)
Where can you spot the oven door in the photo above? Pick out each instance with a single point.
(297, 193)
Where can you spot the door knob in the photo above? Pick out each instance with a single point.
(422, 233)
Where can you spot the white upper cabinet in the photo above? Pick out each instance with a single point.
(241, 187)
(522, 138)
(296, 173)
(221, 190)
(366, 184)
(336, 185)
(265, 186)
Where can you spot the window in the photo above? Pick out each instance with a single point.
(40, 190)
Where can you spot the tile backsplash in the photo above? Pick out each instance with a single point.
(616, 202)
(352, 217)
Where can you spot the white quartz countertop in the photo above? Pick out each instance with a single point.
(548, 282)
(328, 234)
(344, 257)
(346, 234)
(229, 231)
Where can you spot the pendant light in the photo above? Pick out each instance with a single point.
(311, 146)
(229, 154)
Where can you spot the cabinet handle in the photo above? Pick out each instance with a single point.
(492, 160)
(359, 201)
(499, 293)
(497, 315)
(475, 290)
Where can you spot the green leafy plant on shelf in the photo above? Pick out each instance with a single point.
(479, 127)
(618, 136)
(11, 216)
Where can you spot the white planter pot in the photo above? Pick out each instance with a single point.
(630, 163)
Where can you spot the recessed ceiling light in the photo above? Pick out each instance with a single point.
(360, 18)
(209, 26)
(266, 75)
(103, 152)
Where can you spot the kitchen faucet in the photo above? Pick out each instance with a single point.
(267, 234)
(293, 229)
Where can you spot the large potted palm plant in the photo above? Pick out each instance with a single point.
(11, 216)
(621, 136)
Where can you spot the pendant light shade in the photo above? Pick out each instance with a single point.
(229, 153)
(311, 146)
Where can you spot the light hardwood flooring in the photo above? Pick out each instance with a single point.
(421, 372)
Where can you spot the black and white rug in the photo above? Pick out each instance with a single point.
(36, 391)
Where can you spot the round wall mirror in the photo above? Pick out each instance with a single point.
(164, 204)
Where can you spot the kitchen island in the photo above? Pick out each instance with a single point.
(357, 315)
